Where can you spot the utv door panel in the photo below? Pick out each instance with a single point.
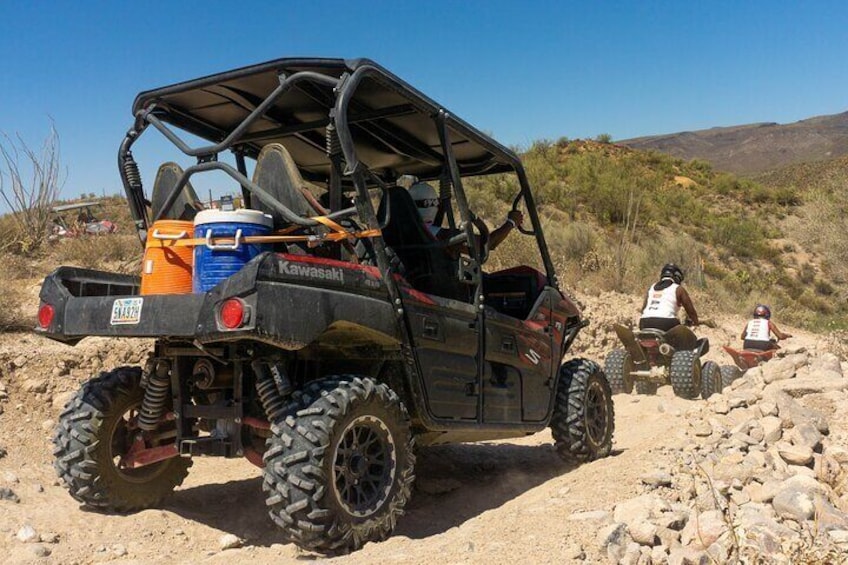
(518, 355)
(446, 342)
(501, 394)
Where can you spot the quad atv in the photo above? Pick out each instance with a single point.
(329, 358)
(748, 358)
(651, 358)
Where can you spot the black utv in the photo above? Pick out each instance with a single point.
(354, 337)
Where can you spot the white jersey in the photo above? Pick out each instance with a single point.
(661, 303)
(758, 330)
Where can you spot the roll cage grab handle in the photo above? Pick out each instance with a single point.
(345, 87)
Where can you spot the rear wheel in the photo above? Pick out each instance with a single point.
(339, 469)
(729, 373)
(648, 388)
(710, 379)
(583, 421)
(96, 430)
(619, 371)
(685, 374)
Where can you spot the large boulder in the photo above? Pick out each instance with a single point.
(640, 509)
(794, 505)
(703, 529)
(779, 370)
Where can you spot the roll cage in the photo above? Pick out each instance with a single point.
(351, 127)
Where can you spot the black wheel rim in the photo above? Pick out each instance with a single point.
(596, 413)
(364, 466)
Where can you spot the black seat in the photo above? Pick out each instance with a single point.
(186, 205)
(427, 265)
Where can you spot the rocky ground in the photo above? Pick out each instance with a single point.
(757, 473)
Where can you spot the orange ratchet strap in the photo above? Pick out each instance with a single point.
(338, 234)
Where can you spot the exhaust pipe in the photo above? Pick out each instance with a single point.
(666, 349)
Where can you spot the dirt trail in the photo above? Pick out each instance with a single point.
(507, 501)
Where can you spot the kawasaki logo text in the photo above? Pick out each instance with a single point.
(323, 273)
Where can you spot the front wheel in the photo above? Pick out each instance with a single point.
(583, 421)
(729, 373)
(96, 431)
(710, 379)
(339, 470)
(685, 374)
(619, 371)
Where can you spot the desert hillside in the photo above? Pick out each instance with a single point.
(754, 148)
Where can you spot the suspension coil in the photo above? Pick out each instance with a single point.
(131, 172)
(155, 396)
(333, 145)
(444, 188)
(268, 389)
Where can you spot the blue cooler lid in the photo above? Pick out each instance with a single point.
(242, 216)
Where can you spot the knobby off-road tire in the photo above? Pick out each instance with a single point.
(583, 421)
(710, 379)
(685, 374)
(94, 430)
(643, 387)
(729, 373)
(619, 369)
(339, 470)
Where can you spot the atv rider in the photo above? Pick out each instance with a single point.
(664, 299)
(757, 332)
(427, 201)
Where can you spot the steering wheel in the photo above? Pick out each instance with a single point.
(483, 231)
(515, 203)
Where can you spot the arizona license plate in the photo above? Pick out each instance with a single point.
(126, 311)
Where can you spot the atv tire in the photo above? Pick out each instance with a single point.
(685, 374)
(648, 388)
(710, 379)
(619, 371)
(583, 421)
(729, 373)
(339, 469)
(95, 429)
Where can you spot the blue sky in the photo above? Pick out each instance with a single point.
(520, 70)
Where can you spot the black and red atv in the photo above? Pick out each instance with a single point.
(352, 337)
(651, 358)
(748, 358)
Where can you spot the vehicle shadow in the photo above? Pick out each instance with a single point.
(454, 484)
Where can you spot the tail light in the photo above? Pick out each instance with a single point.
(45, 315)
(232, 313)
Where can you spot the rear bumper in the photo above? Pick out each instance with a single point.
(83, 302)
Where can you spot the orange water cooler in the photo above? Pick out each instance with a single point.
(167, 267)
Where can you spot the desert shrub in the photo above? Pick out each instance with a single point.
(741, 236)
(30, 181)
(96, 252)
(824, 288)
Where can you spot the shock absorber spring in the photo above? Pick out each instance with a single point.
(155, 396)
(333, 145)
(131, 172)
(269, 393)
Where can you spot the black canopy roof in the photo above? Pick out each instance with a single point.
(391, 123)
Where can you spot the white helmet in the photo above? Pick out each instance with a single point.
(426, 199)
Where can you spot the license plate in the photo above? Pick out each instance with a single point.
(126, 311)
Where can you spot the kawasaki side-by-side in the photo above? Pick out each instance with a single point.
(350, 339)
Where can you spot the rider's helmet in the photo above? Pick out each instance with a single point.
(426, 199)
(672, 271)
(762, 311)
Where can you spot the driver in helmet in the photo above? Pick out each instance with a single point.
(758, 331)
(664, 299)
(427, 201)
